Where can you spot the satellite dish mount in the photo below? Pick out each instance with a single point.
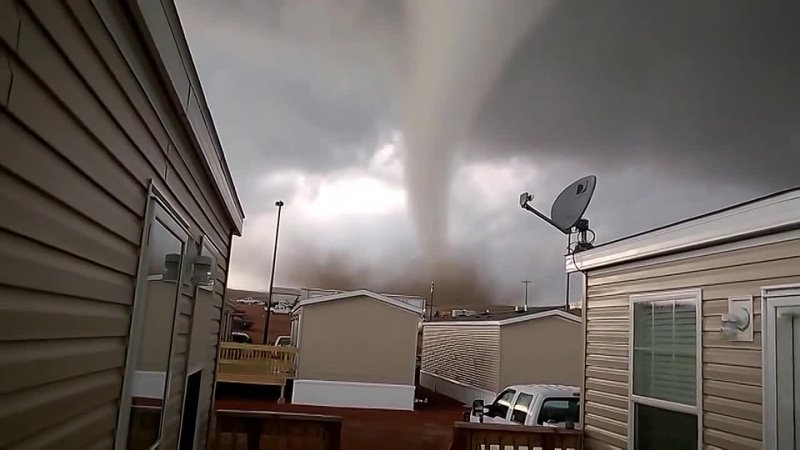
(566, 214)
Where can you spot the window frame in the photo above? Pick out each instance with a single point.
(695, 295)
(527, 409)
(157, 208)
(514, 394)
(539, 420)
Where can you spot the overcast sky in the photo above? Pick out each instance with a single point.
(400, 134)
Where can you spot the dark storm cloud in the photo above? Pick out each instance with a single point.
(698, 89)
(679, 107)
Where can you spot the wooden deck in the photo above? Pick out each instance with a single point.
(256, 364)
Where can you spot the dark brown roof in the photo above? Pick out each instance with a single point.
(502, 315)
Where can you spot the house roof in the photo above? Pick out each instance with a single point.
(399, 303)
(764, 215)
(507, 318)
(159, 21)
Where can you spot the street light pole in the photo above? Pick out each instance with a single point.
(526, 283)
(265, 340)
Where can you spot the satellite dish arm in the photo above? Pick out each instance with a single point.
(530, 208)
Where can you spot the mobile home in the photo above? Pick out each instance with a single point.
(356, 349)
(692, 331)
(475, 357)
(118, 214)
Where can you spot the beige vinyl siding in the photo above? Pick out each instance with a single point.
(545, 350)
(731, 370)
(357, 339)
(86, 124)
(468, 354)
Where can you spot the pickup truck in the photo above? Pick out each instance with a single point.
(532, 404)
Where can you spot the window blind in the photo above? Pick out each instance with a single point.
(665, 350)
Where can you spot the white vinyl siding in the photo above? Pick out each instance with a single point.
(468, 354)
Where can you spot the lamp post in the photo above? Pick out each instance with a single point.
(279, 204)
(526, 283)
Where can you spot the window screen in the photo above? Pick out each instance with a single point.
(665, 350)
(660, 429)
(521, 408)
(559, 410)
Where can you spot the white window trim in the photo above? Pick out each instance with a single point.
(771, 298)
(633, 399)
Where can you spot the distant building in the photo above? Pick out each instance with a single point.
(474, 357)
(356, 349)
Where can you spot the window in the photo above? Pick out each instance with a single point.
(664, 370)
(559, 410)
(501, 404)
(521, 408)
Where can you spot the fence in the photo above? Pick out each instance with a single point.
(486, 436)
(248, 430)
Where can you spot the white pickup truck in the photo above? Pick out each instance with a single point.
(532, 404)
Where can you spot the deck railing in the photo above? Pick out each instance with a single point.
(247, 430)
(255, 364)
(487, 436)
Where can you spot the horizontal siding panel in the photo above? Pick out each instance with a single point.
(732, 356)
(38, 109)
(611, 312)
(711, 307)
(607, 350)
(733, 425)
(732, 408)
(715, 339)
(44, 219)
(621, 302)
(604, 398)
(103, 43)
(610, 412)
(69, 37)
(27, 412)
(607, 337)
(605, 423)
(607, 374)
(609, 437)
(9, 23)
(29, 363)
(5, 73)
(744, 375)
(77, 432)
(33, 161)
(613, 325)
(760, 271)
(611, 387)
(466, 354)
(34, 266)
(31, 315)
(736, 391)
(594, 444)
(729, 441)
(611, 362)
(697, 264)
(748, 287)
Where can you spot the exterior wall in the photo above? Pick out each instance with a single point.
(546, 350)
(464, 393)
(465, 354)
(345, 394)
(731, 404)
(86, 124)
(357, 339)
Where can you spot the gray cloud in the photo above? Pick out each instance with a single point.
(678, 107)
(697, 89)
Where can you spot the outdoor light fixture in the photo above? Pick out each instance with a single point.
(202, 273)
(737, 323)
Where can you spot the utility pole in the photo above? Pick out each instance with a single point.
(430, 312)
(265, 340)
(526, 283)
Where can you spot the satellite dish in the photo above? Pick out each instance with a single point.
(572, 202)
(567, 212)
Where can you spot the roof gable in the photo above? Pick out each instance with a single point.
(405, 306)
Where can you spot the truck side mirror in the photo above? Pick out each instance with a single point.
(477, 408)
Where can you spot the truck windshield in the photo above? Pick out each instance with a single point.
(558, 410)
